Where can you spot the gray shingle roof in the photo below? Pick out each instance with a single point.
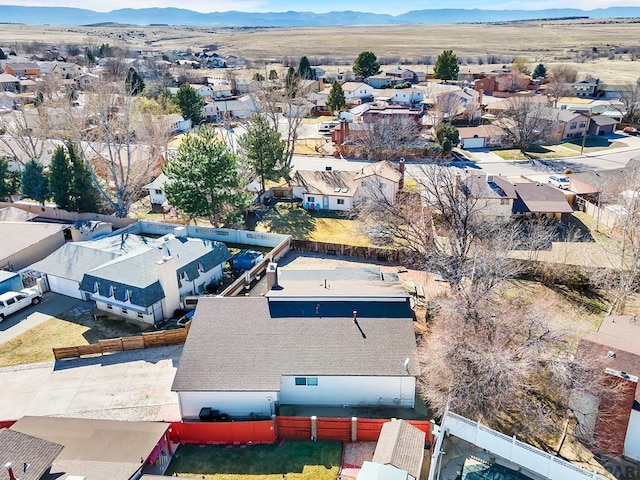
(72, 261)
(235, 345)
(16, 236)
(402, 445)
(19, 448)
(136, 271)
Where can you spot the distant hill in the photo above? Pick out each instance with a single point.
(178, 16)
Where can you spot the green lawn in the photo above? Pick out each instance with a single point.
(593, 144)
(297, 460)
(321, 226)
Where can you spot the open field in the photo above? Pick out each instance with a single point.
(295, 460)
(548, 42)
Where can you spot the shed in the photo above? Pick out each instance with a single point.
(10, 282)
(402, 445)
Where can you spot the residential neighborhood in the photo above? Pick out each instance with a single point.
(216, 268)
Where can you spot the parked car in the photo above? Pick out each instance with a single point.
(12, 302)
(630, 130)
(559, 181)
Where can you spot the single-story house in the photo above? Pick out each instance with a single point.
(482, 136)
(380, 81)
(27, 457)
(24, 243)
(339, 190)
(100, 449)
(156, 192)
(400, 445)
(241, 361)
(9, 83)
(147, 284)
(495, 194)
(540, 199)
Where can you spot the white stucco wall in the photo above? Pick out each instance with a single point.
(373, 186)
(133, 312)
(632, 441)
(355, 391)
(199, 284)
(333, 203)
(234, 404)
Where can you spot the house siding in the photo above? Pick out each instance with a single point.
(149, 315)
(354, 391)
(234, 404)
(198, 285)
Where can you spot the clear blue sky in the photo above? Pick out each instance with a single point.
(393, 7)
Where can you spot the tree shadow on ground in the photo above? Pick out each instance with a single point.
(289, 220)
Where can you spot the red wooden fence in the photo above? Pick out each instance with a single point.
(338, 429)
(369, 429)
(223, 433)
(293, 428)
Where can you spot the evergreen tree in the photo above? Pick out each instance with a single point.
(83, 194)
(264, 148)
(3, 56)
(291, 80)
(5, 189)
(273, 75)
(203, 179)
(91, 58)
(190, 103)
(304, 69)
(539, 71)
(34, 182)
(336, 100)
(446, 67)
(366, 64)
(258, 77)
(60, 178)
(447, 136)
(134, 82)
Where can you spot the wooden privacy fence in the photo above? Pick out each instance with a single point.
(223, 433)
(374, 253)
(146, 340)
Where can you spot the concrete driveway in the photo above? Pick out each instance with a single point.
(133, 385)
(52, 304)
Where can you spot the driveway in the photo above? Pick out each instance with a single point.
(52, 304)
(133, 385)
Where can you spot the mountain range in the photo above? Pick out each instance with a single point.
(178, 16)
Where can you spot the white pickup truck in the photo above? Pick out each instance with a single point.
(12, 302)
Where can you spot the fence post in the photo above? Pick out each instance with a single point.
(314, 427)
(354, 429)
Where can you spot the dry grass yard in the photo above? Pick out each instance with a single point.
(548, 42)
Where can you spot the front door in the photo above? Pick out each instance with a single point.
(325, 203)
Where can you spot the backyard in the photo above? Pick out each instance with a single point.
(293, 460)
(321, 226)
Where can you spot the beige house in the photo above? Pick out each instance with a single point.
(24, 243)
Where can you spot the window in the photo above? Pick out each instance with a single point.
(583, 124)
(306, 381)
(140, 315)
(311, 199)
(125, 311)
(183, 275)
(340, 201)
(158, 191)
(504, 201)
(109, 306)
(573, 125)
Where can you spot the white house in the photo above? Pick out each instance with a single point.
(205, 91)
(240, 360)
(210, 111)
(406, 96)
(338, 190)
(357, 92)
(156, 191)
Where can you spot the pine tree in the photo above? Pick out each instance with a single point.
(366, 64)
(134, 82)
(84, 197)
(60, 178)
(446, 67)
(336, 100)
(539, 71)
(34, 182)
(5, 189)
(304, 69)
(190, 103)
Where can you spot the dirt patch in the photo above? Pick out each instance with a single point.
(100, 325)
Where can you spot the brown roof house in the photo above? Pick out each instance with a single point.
(26, 457)
(401, 446)
(339, 190)
(100, 449)
(495, 194)
(540, 199)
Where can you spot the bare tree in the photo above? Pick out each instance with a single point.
(24, 133)
(447, 108)
(559, 80)
(629, 103)
(527, 121)
(514, 82)
(385, 137)
(123, 149)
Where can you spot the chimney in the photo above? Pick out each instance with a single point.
(180, 232)
(401, 170)
(489, 177)
(272, 276)
(10, 471)
(168, 278)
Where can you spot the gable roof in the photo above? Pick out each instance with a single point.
(73, 260)
(324, 182)
(384, 169)
(478, 186)
(603, 120)
(235, 345)
(97, 449)
(19, 448)
(350, 87)
(402, 445)
(540, 198)
(160, 180)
